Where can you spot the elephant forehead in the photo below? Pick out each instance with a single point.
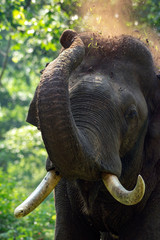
(106, 92)
(104, 83)
(96, 80)
(97, 84)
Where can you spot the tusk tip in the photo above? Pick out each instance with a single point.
(19, 212)
(141, 185)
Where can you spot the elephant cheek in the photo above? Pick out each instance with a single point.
(111, 164)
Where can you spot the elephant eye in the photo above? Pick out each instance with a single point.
(131, 113)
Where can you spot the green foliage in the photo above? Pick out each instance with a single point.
(22, 156)
(25, 149)
(29, 35)
(38, 225)
(13, 107)
(147, 13)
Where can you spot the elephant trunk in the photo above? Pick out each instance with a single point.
(66, 146)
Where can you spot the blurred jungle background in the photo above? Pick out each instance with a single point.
(29, 38)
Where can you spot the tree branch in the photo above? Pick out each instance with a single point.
(4, 65)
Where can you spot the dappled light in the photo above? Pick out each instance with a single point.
(117, 18)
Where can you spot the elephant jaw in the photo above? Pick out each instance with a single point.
(111, 182)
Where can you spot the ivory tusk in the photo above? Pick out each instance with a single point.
(122, 195)
(48, 183)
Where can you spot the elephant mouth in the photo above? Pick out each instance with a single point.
(111, 182)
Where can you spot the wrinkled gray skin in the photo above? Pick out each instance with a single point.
(108, 121)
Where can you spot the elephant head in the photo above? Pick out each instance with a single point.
(93, 107)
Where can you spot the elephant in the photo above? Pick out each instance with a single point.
(98, 109)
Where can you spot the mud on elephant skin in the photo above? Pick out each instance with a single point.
(97, 107)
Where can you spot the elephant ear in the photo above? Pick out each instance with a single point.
(32, 119)
(32, 112)
(152, 143)
(154, 124)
